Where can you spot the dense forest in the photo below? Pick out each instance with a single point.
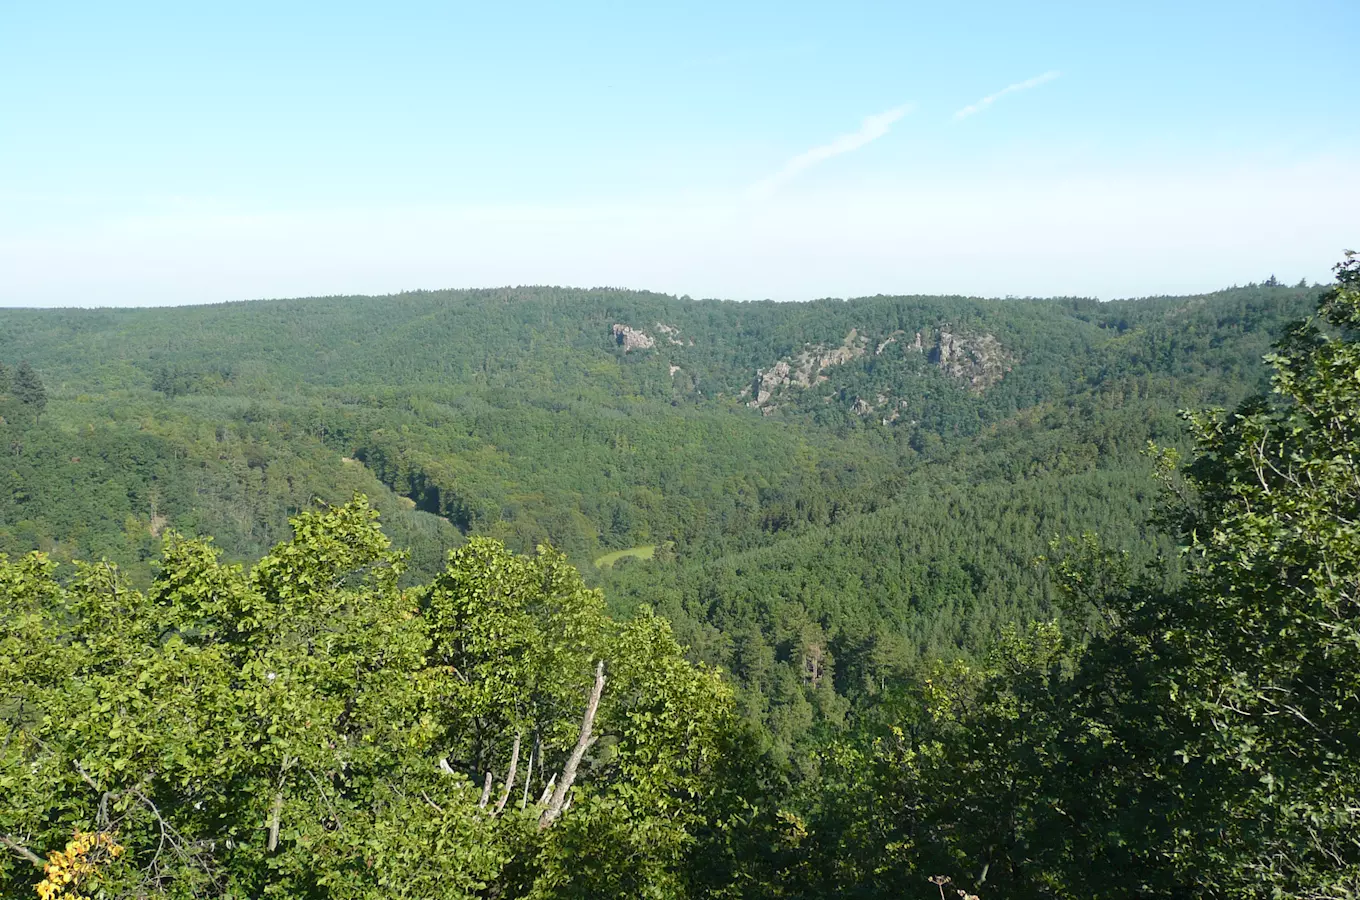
(536, 592)
(866, 482)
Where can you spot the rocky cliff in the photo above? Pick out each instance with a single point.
(978, 359)
(803, 370)
(630, 338)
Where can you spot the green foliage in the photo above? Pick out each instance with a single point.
(307, 728)
(28, 388)
(174, 381)
(1270, 629)
(519, 636)
(1195, 735)
(909, 693)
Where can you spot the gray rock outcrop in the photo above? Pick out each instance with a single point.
(978, 359)
(630, 338)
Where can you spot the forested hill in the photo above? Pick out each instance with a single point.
(816, 493)
(1018, 351)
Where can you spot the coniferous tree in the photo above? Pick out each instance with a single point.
(28, 389)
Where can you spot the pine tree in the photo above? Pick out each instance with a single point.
(28, 389)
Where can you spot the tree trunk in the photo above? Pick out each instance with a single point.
(276, 812)
(510, 775)
(486, 790)
(275, 817)
(559, 797)
(23, 851)
(529, 775)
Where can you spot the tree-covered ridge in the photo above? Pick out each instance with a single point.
(517, 413)
(311, 728)
(1160, 723)
(1194, 739)
(886, 514)
(506, 337)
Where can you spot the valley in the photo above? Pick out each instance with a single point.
(836, 556)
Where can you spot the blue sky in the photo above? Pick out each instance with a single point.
(181, 153)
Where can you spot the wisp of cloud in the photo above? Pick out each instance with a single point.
(872, 128)
(1008, 89)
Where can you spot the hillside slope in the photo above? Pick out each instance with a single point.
(833, 488)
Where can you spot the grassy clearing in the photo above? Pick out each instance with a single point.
(646, 551)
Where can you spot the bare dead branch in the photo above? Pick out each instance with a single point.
(326, 797)
(559, 797)
(486, 790)
(529, 775)
(510, 775)
(275, 817)
(85, 776)
(547, 791)
(276, 812)
(23, 851)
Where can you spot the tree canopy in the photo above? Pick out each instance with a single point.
(307, 728)
(847, 677)
(1197, 739)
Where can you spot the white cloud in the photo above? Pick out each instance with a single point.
(1008, 89)
(871, 129)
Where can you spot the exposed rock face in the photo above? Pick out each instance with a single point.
(891, 339)
(975, 358)
(805, 369)
(632, 339)
(978, 359)
(769, 382)
(671, 332)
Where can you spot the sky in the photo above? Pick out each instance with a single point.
(155, 154)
